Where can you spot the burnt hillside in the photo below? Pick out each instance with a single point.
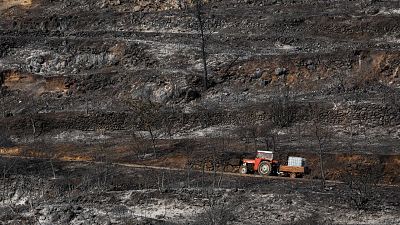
(68, 68)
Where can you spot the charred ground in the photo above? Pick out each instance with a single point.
(76, 76)
(54, 192)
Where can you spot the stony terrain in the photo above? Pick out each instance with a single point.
(70, 66)
(84, 193)
(122, 81)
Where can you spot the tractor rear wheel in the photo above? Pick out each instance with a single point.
(264, 168)
(243, 169)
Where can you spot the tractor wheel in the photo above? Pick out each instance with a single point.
(264, 168)
(292, 175)
(243, 169)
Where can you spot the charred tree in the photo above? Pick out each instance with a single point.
(322, 135)
(199, 13)
(148, 115)
(362, 181)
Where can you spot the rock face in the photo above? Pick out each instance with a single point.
(68, 63)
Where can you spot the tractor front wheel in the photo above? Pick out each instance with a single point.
(264, 168)
(243, 169)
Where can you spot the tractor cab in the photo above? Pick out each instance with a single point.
(267, 155)
(263, 163)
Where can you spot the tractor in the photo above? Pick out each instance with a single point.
(264, 164)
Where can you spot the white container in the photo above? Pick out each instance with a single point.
(296, 161)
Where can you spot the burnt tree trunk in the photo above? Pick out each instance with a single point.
(200, 20)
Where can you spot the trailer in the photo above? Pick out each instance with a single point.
(292, 171)
(297, 167)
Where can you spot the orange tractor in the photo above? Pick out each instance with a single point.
(265, 165)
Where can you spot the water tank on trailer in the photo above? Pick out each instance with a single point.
(296, 161)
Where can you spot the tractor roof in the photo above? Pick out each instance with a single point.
(265, 151)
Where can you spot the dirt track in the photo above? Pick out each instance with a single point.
(219, 173)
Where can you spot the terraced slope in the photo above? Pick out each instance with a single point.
(70, 66)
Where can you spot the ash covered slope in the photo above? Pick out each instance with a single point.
(70, 64)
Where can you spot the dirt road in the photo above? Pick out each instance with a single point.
(139, 166)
